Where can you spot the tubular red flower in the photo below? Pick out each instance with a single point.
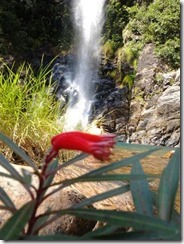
(98, 145)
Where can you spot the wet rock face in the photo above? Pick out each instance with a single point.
(109, 105)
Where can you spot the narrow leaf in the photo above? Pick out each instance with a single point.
(5, 175)
(108, 177)
(39, 223)
(168, 186)
(102, 231)
(139, 235)
(52, 238)
(69, 162)
(14, 226)
(121, 163)
(102, 196)
(73, 160)
(18, 151)
(143, 147)
(27, 176)
(124, 219)
(6, 199)
(99, 178)
(52, 168)
(6, 164)
(141, 193)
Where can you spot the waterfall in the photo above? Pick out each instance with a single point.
(88, 21)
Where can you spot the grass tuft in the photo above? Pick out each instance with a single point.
(28, 111)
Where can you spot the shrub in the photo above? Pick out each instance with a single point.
(158, 23)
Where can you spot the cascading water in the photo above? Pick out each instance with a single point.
(88, 16)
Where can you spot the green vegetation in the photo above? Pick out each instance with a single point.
(129, 27)
(154, 218)
(128, 81)
(29, 113)
(158, 23)
(116, 20)
(108, 49)
(29, 25)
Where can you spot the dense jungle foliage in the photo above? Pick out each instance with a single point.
(134, 25)
(27, 26)
(30, 25)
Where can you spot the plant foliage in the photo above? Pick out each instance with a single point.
(144, 222)
(29, 111)
(158, 23)
(29, 25)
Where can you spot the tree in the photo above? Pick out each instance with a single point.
(27, 25)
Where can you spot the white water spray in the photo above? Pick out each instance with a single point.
(88, 16)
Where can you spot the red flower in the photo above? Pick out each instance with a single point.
(97, 145)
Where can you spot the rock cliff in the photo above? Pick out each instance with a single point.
(153, 114)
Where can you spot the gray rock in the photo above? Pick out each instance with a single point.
(152, 116)
(155, 108)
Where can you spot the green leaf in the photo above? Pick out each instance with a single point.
(13, 228)
(108, 177)
(6, 164)
(99, 178)
(89, 201)
(102, 196)
(5, 175)
(121, 163)
(6, 199)
(176, 217)
(18, 151)
(143, 147)
(52, 168)
(59, 237)
(168, 187)
(27, 176)
(125, 219)
(139, 235)
(40, 222)
(69, 162)
(102, 231)
(73, 160)
(141, 193)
